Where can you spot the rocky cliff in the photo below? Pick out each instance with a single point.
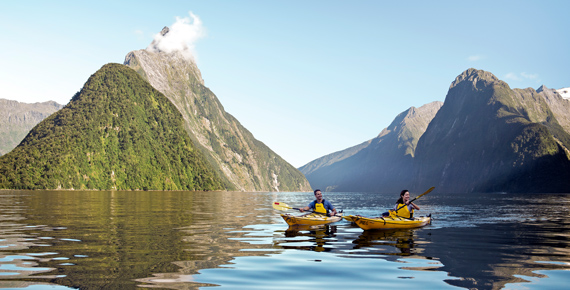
(559, 106)
(17, 119)
(245, 163)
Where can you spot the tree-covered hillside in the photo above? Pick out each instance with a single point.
(118, 132)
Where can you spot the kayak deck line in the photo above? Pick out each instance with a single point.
(366, 223)
(310, 219)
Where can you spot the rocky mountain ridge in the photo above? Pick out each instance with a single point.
(564, 93)
(245, 163)
(17, 119)
(559, 105)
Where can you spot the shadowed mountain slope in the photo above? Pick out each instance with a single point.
(487, 137)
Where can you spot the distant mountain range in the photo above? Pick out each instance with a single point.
(17, 119)
(383, 163)
(486, 137)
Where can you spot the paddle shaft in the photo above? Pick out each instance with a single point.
(282, 206)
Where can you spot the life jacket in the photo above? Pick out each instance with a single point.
(403, 211)
(320, 207)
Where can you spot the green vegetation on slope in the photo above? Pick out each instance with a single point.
(116, 133)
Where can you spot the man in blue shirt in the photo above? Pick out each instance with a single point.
(320, 205)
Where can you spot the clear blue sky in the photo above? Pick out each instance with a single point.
(307, 78)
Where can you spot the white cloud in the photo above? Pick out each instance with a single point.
(182, 36)
(529, 76)
(476, 57)
(522, 77)
(512, 76)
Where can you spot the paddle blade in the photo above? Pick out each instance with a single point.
(281, 206)
(428, 191)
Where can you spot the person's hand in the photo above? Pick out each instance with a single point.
(301, 210)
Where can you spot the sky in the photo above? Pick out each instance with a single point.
(307, 78)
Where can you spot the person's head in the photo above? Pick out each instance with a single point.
(404, 196)
(318, 194)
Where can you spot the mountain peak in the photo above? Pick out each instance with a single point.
(541, 89)
(176, 41)
(164, 30)
(474, 76)
(154, 45)
(168, 51)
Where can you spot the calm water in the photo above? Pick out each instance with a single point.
(191, 240)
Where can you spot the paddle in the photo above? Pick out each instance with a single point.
(428, 191)
(283, 206)
(392, 212)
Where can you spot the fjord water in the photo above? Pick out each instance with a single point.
(191, 240)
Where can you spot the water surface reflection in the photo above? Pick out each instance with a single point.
(187, 240)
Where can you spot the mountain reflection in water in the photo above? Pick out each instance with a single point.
(394, 242)
(381, 242)
(190, 240)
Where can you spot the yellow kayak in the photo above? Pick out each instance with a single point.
(310, 219)
(389, 222)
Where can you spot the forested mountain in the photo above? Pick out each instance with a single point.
(245, 163)
(380, 164)
(118, 132)
(17, 119)
(486, 137)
